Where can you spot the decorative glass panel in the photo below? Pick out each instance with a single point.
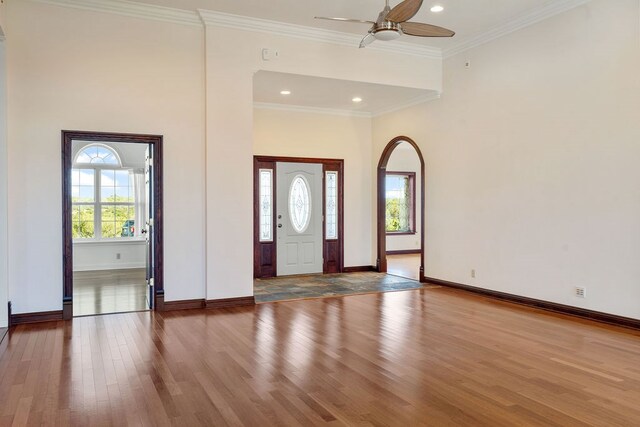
(266, 205)
(331, 209)
(300, 204)
(97, 154)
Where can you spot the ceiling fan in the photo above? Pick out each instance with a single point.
(392, 23)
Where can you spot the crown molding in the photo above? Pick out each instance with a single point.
(422, 99)
(238, 22)
(514, 24)
(132, 9)
(312, 110)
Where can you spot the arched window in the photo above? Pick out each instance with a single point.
(103, 195)
(97, 154)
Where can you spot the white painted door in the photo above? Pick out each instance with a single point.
(299, 218)
(148, 229)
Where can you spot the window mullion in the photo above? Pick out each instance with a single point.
(97, 218)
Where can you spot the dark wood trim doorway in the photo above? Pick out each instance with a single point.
(381, 262)
(68, 136)
(264, 253)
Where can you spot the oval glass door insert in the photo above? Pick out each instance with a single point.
(300, 204)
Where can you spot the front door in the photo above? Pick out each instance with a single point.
(299, 218)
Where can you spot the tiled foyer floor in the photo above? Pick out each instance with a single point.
(327, 285)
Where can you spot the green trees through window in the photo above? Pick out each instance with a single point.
(400, 202)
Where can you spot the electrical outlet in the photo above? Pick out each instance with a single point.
(581, 292)
(117, 256)
(473, 274)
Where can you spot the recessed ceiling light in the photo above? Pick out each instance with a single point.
(437, 9)
(357, 99)
(285, 92)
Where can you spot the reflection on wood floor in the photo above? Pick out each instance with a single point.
(433, 356)
(109, 291)
(328, 285)
(3, 332)
(404, 265)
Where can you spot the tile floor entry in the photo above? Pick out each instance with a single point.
(328, 285)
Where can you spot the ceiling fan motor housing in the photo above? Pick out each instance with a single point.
(387, 31)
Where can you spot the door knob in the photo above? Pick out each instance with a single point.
(279, 225)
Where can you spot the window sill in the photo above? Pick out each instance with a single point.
(401, 233)
(108, 241)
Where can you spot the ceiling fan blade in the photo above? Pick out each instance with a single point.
(425, 30)
(360, 21)
(367, 40)
(404, 11)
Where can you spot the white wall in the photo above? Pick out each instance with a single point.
(405, 159)
(90, 256)
(3, 184)
(83, 70)
(532, 161)
(300, 134)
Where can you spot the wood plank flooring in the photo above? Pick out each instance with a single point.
(109, 291)
(434, 356)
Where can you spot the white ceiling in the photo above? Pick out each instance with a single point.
(469, 18)
(332, 94)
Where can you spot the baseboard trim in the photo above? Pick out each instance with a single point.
(188, 304)
(405, 252)
(359, 269)
(230, 302)
(36, 317)
(9, 313)
(583, 313)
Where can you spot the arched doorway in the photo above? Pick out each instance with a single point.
(381, 262)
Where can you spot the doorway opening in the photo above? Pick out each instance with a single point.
(400, 210)
(298, 216)
(112, 223)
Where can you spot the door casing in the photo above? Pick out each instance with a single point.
(381, 262)
(264, 253)
(68, 136)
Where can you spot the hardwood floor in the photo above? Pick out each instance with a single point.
(109, 291)
(434, 356)
(3, 333)
(404, 265)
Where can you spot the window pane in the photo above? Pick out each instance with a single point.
(118, 221)
(331, 194)
(399, 202)
(122, 194)
(82, 185)
(97, 154)
(299, 204)
(266, 205)
(82, 218)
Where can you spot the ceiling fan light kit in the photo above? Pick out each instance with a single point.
(393, 23)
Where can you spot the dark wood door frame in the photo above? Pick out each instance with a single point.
(264, 253)
(68, 136)
(381, 262)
